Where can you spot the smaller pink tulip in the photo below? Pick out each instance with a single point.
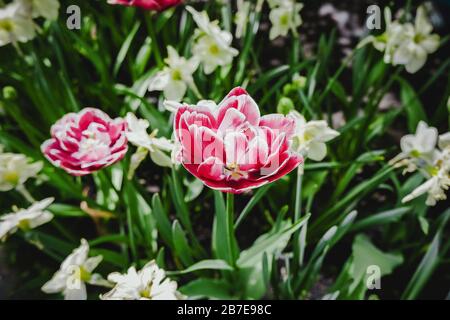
(85, 142)
(156, 5)
(231, 147)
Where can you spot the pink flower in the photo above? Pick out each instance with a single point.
(232, 148)
(157, 5)
(85, 142)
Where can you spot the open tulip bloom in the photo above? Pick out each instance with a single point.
(85, 142)
(231, 147)
(156, 5)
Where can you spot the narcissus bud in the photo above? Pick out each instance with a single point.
(9, 93)
(285, 105)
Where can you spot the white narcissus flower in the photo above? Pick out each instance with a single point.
(15, 170)
(444, 141)
(25, 219)
(419, 43)
(43, 8)
(157, 147)
(310, 137)
(16, 24)
(75, 271)
(241, 18)
(406, 43)
(285, 16)
(420, 144)
(419, 152)
(176, 77)
(149, 283)
(212, 45)
(434, 186)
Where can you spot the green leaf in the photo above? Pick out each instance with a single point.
(270, 243)
(204, 265)
(365, 254)
(181, 245)
(428, 264)
(413, 106)
(220, 241)
(162, 220)
(251, 261)
(385, 217)
(126, 47)
(64, 210)
(209, 288)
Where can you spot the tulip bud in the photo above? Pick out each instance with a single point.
(9, 93)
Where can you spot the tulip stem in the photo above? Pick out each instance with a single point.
(297, 216)
(230, 222)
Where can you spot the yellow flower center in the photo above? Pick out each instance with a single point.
(284, 19)
(84, 275)
(12, 177)
(415, 154)
(6, 25)
(24, 225)
(176, 75)
(214, 49)
(147, 292)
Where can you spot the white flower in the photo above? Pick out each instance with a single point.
(406, 43)
(285, 16)
(16, 24)
(74, 273)
(435, 187)
(419, 152)
(444, 141)
(413, 52)
(420, 144)
(241, 18)
(42, 8)
(176, 77)
(15, 170)
(212, 45)
(157, 147)
(310, 137)
(150, 283)
(173, 106)
(25, 219)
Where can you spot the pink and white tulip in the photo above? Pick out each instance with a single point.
(85, 142)
(231, 147)
(156, 5)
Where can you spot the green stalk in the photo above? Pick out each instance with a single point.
(230, 219)
(297, 216)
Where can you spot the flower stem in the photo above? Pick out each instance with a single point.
(230, 219)
(24, 192)
(297, 216)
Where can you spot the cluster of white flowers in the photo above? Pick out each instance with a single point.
(310, 137)
(146, 144)
(419, 153)
(16, 19)
(211, 48)
(76, 271)
(406, 44)
(284, 16)
(150, 283)
(212, 45)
